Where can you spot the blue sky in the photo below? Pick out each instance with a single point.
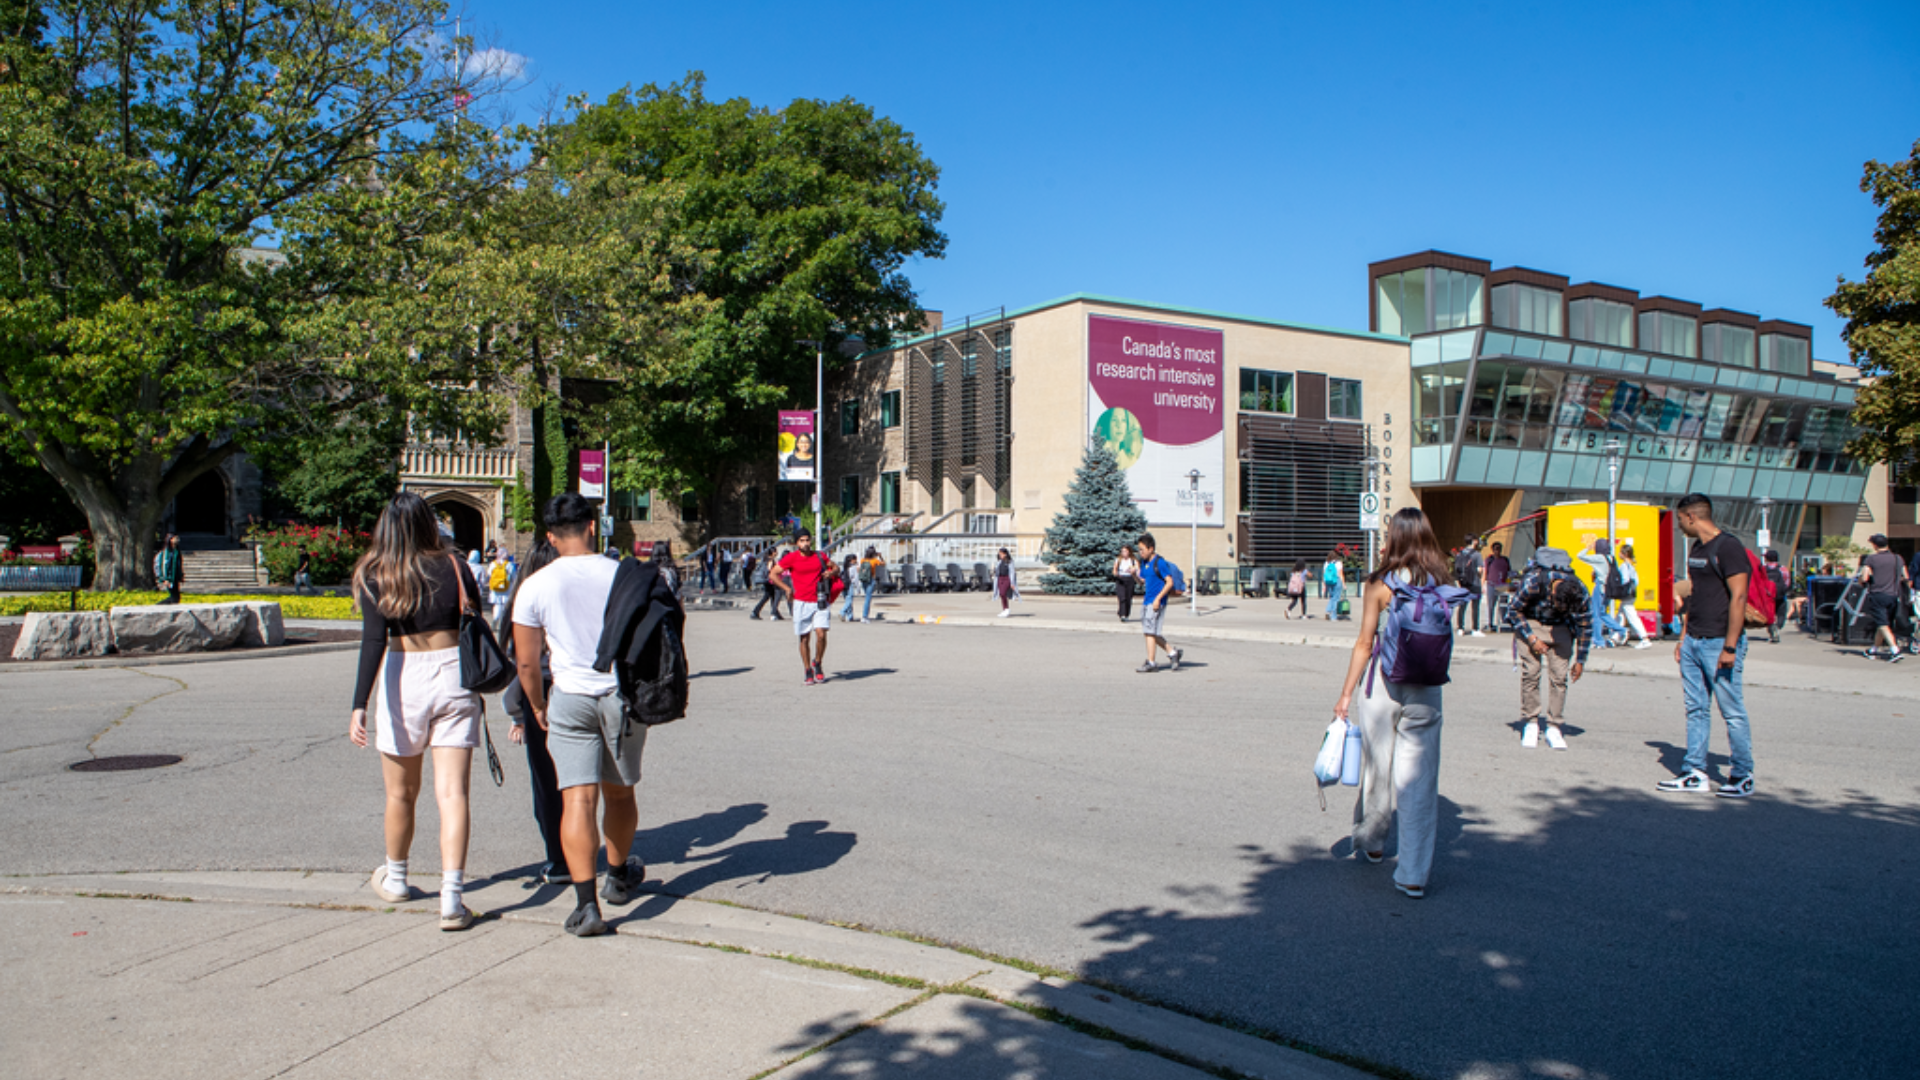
(1253, 158)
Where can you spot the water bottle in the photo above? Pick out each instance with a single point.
(1350, 760)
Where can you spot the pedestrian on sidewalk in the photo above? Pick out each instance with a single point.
(1552, 626)
(499, 586)
(1497, 572)
(661, 555)
(1466, 574)
(1712, 650)
(1630, 593)
(1399, 721)
(1157, 580)
(1598, 555)
(749, 566)
(769, 592)
(559, 613)
(806, 576)
(1126, 578)
(303, 573)
(1885, 574)
(547, 804)
(1003, 582)
(870, 566)
(725, 573)
(1297, 590)
(1333, 579)
(850, 573)
(411, 587)
(167, 570)
(706, 567)
(1782, 585)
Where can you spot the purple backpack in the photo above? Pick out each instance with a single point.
(1415, 643)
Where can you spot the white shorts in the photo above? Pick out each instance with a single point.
(809, 616)
(418, 702)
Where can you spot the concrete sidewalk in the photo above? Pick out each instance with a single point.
(308, 974)
(1800, 662)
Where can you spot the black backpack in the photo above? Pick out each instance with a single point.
(1616, 586)
(653, 686)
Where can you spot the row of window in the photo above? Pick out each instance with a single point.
(1272, 392)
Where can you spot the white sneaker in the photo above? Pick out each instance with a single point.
(1530, 736)
(1477, 633)
(1643, 643)
(1003, 614)
(1554, 739)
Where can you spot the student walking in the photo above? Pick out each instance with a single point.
(706, 567)
(1885, 574)
(1003, 582)
(1158, 579)
(725, 574)
(559, 613)
(1783, 605)
(1496, 572)
(1333, 580)
(1126, 578)
(1712, 650)
(806, 576)
(166, 569)
(1598, 556)
(411, 588)
(1466, 574)
(1630, 586)
(1552, 627)
(303, 573)
(769, 592)
(661, 555)
(547, 804)
(499, 582)
(870, 566)
(850, 573)
(1297, 590)
(1399, 719)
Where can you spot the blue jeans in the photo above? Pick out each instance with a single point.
(866, 599)
(1336, 591)
(1701, 675)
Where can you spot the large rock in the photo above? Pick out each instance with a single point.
(265, 626)
(179, 628)
(63, 635)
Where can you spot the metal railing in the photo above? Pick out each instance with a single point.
(65, 579)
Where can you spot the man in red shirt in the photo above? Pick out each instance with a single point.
(806, 576)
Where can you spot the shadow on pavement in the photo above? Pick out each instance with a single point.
(807, 846)
(862, 673)
(720, 674)
(1629, 934)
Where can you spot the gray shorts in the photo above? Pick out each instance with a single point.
(591, 742)
(1152, 619)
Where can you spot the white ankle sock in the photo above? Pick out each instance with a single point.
(397, 876)
(451, 884)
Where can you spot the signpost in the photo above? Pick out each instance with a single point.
(1370, 511)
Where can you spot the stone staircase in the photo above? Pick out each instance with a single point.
(219, 570)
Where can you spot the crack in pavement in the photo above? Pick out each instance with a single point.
(131, 709)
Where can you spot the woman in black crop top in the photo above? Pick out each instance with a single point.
(410, 586)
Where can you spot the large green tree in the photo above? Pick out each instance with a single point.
(805, 217)
(148, 148)
(1883, 322)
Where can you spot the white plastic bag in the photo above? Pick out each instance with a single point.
(1333, 746)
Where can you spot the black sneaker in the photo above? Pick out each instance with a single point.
(809, 676)
(623, 881)
(819, 674)
(585, 922)
(1736, 787)
(555, 874)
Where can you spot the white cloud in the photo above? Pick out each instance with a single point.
(495, 64)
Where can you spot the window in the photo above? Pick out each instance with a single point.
(850, 494)
(890, 409)
(782, 502)
(850, 416)
(1459, 299)
(1787, 355)
(969, 357)
(1603, 322)
(1666, 332)
(1402, 302)
(1724, 343)
(1003, 350)
(1343, 399)
(1418, 301)
(1266, 488)
(1345, 479)
(1266, 391)
(889, 492)
(689, 506)
(751, 504)
(633, 506)
(1527, 308)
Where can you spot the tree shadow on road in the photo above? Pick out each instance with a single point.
(1627, 934)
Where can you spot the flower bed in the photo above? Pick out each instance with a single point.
(334, 551)
(292, 607)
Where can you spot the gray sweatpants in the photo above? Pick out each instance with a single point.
(1400, 727)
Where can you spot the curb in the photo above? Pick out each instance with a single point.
(166, 659)
(732, 928)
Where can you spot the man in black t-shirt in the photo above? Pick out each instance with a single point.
(1712, 650)
(1886, 578)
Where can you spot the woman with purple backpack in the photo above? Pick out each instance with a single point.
(1399, 663)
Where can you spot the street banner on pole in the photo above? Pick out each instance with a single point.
(1156, 399)
(796, 445)
(593, 474)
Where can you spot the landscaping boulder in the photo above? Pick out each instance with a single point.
(179, 628)
(63, 635)
(265, 626)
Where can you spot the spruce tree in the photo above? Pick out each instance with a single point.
(1086, 536)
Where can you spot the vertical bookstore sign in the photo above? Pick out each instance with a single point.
(1155, 399)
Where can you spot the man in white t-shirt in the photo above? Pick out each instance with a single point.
(596, 752)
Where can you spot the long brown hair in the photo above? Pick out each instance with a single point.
(1412, 547)
(406, 541)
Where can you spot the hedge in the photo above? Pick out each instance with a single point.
(292, 607)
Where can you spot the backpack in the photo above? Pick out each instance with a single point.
(1415, 643)
(1297, 583)
(1762, 603)
(653, 678)
(1547, 568)
(1465, 573)
(497, 577)
(1616, 585)
(830, 588)
(866, 572)
(1168, 569)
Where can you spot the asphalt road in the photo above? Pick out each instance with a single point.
(1025, 793)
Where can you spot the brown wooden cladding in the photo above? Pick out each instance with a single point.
(1666, 303)
(1593, 290)
(1790, 329)
(1523, 276)
(1310, 395)
(1725, 315)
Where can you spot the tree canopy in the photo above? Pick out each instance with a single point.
(1883, 322)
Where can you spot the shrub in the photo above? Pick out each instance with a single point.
(292, 607)
(334, 551)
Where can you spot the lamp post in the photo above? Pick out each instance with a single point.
(1372, 465)
(1616, 451)
(1193, 497)
(819, 437)
(1765, 503)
